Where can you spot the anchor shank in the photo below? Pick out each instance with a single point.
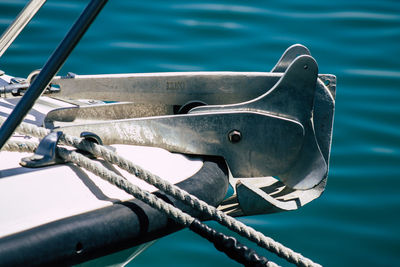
(170, 88)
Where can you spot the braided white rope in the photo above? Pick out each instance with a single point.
(224, 219)
(122, 183)
(18, 146)
(191, 200)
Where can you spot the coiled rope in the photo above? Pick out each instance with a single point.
(224, 219)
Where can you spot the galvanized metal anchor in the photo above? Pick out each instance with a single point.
(280, 130)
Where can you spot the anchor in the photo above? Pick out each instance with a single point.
(275, 139)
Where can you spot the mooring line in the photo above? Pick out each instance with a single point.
(224, 219)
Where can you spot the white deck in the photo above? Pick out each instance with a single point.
(32, 197)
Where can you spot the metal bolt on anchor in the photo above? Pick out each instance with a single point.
(234, 136)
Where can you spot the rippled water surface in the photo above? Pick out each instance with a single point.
(356, 221)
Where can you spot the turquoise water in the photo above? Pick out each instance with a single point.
(356, 221)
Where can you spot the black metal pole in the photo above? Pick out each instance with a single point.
(51, 67)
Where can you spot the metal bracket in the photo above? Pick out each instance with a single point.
(91, 137)
(45, 154)
(17, 87)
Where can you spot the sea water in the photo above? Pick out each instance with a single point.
(356, 221)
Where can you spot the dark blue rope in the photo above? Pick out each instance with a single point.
(229, 245)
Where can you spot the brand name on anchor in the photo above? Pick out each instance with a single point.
(176, 85)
